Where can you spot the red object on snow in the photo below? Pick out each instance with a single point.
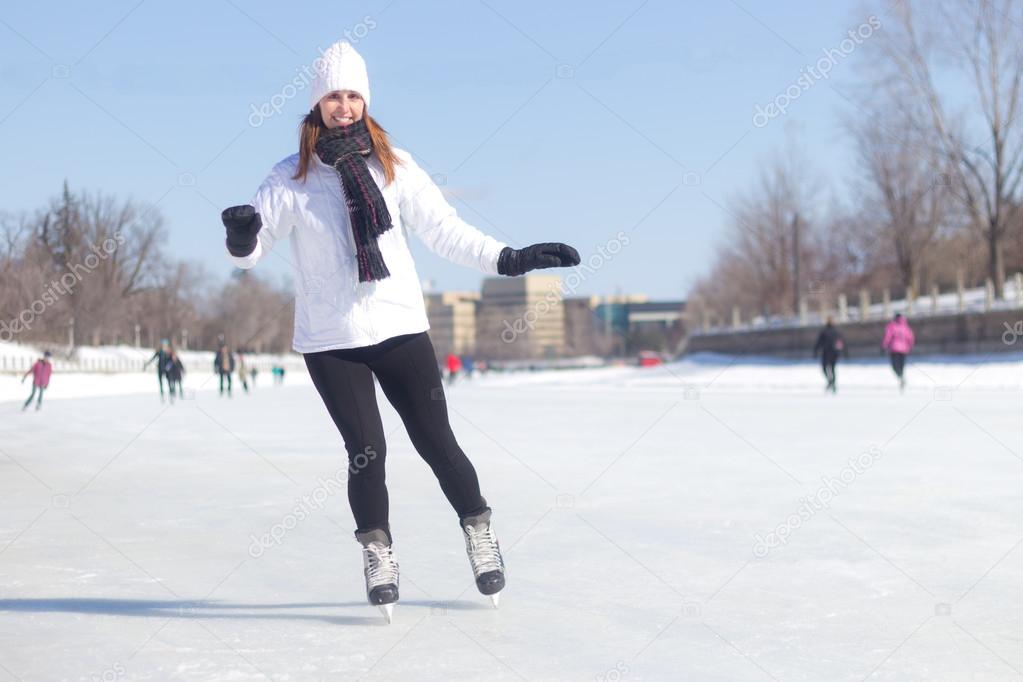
(648, 358)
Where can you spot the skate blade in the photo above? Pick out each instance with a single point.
(495, 598)
(388, 611)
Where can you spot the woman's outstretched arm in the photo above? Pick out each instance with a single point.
(252, 229)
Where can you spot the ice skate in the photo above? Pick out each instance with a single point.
(381, 570)
(484, 555)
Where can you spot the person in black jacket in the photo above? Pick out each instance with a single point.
(829, 345)
(175, 372)
(160, 356)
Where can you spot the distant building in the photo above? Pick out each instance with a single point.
(581, 332)
(656, 325)
(634, 323)
(452, 316)
(520, 317)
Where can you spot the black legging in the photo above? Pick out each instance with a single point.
(407, 370)
(39, 403)
(828, 361)
(225, 375)
(898, 363)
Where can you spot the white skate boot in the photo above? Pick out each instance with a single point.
(484, 555)
(381, 570)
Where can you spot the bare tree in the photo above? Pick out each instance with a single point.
(983, 40)
(903, 195)
(772, 234)
(100, 261)
(102, 252)
(14, 232)
(251, 313)
(842, 250)
(171, 309)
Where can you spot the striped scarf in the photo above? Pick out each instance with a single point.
(345, 149)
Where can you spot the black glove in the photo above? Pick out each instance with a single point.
(243, 224)
(514, 262)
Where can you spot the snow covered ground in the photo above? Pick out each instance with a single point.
(707, 520)
(107, 370)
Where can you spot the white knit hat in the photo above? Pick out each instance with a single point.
(339, 67)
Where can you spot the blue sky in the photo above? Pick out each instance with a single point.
(565, 121)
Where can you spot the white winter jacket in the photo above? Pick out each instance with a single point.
(332, 308)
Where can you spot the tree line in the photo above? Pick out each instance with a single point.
(934, 197)
(90, 269)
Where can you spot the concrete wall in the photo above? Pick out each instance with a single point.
(951, 334)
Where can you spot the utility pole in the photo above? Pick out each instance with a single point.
(795, 262)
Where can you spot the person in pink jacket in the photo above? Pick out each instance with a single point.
(40, 372)
(898, 341)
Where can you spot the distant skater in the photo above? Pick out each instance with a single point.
(175, 372)
(160, 357)
(454, 364)
(830, 345)
(898, 341)
(223, 365)
(40, 371)
(243, 371)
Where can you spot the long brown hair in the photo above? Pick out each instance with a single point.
(309, 132)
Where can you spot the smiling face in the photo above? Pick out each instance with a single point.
(341, 108)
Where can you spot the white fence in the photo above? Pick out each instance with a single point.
(119, 360)
(814, 309)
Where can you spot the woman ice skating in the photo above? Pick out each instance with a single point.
(175, 372)
(348, 201)
(830, 345)
(160, 357)
(40, 370)
(898, 341)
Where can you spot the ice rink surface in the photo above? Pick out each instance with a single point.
(707, 520)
